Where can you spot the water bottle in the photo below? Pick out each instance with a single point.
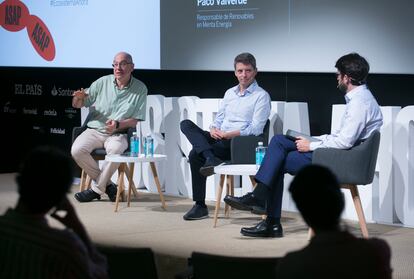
(134, 145)
(149, 146)
(260, 153)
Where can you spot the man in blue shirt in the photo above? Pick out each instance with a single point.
(362, 117)
(243, 111)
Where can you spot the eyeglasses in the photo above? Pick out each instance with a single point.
(121, 64)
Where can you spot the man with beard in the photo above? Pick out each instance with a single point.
(362, 117)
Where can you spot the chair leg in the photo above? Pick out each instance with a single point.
(359, 210)
(82, 181)
(218, 198)
(157, 183)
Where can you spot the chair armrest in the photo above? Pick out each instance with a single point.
(243, 149)
(76, 131)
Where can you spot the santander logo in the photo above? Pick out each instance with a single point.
(15, 16)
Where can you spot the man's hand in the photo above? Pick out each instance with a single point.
(65, 214)
(216, 133)
(110, 126)
(79, 97)
(302, 144)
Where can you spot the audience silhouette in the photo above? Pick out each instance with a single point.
(332, 252)
(30, 247)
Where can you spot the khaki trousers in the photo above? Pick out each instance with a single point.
(89, 140)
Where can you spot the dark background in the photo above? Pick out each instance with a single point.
(21, 132)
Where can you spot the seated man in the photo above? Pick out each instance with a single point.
(120, 101)
(362, 116)
(243, 111)
(30, 247)
(332, 252)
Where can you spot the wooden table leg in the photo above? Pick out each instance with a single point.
(230, 190)
(157, 182)
(120, 182)
(219, 191)
(130, 176)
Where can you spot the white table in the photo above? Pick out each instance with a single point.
(230, 171)
(126, 166)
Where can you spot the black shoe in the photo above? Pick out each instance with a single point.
(208, 168)
(87, 196)
(111, 190)
(247, 202)
(197, 212)
(263, 229)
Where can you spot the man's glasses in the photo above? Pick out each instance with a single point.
(121, 64)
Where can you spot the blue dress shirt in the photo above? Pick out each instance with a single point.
(246, 112)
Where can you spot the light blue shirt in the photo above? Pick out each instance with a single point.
(247, 112)
(362, 116)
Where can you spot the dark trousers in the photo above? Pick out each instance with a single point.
(281, 157)
(202, 141)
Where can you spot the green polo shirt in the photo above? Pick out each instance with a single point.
(110, 102)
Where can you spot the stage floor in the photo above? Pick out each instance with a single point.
(146, 224)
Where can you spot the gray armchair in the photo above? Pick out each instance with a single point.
(243, 148)
(352, 167)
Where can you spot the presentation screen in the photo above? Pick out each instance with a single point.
(79, 33)
(287, 35)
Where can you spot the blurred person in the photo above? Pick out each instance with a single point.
(30, 247)
(333, 252)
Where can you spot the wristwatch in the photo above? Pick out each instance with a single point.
(117, 124)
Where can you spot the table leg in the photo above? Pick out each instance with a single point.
(130, 176)
(230, 189)
(253, 181)
(219, 191)
(120, 182)
(157, 182)
(134, 190)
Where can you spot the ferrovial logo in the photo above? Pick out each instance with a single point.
(61, 92)
(70, 112)
(50, 112)
(28, 89)
(7, 108)
(32, 111)
(59, 131)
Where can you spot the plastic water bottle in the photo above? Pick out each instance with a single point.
(134, 145)
(260, 153)
(149, 146)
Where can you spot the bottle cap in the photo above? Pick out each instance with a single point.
(260, 143)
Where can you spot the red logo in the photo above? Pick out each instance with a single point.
(15, 16)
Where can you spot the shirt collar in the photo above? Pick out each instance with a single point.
(126, 86)
(353, 92)
(249, 90)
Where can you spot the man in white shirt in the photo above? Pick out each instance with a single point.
(244, 111)
(362, 116)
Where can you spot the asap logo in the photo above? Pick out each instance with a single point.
(15, 16)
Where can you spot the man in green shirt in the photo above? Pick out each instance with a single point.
(119, 102)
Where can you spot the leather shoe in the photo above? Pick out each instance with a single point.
(111, 190)
(87, 196)
(247, 202)
(197, 212)
(263, 229)
(208, 168)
